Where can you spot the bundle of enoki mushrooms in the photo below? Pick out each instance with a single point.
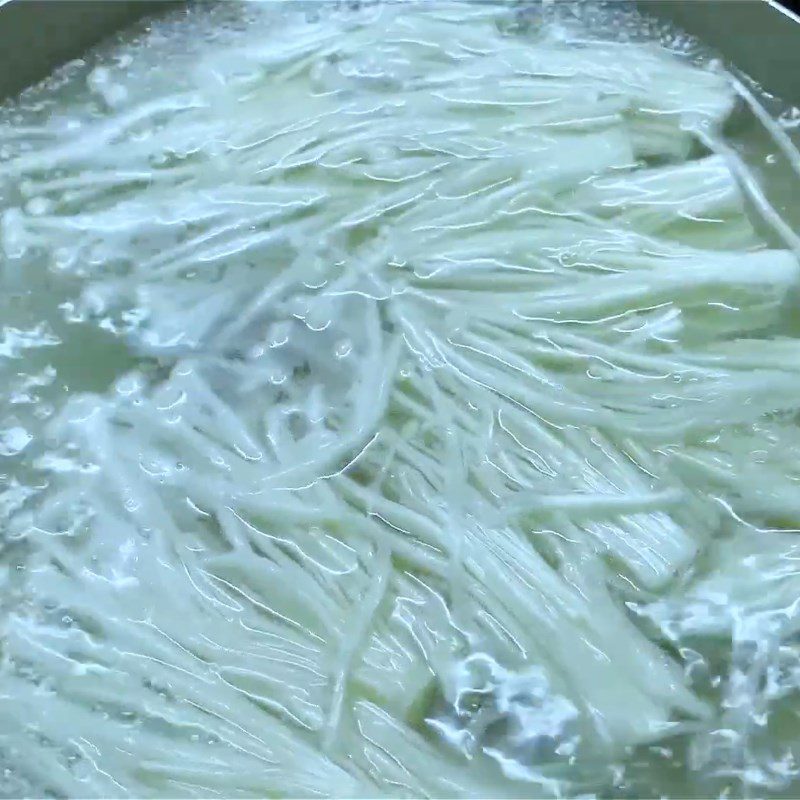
(461, 436)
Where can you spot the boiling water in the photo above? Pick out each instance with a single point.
(398, 399)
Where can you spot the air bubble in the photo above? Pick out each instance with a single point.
(343, 348)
